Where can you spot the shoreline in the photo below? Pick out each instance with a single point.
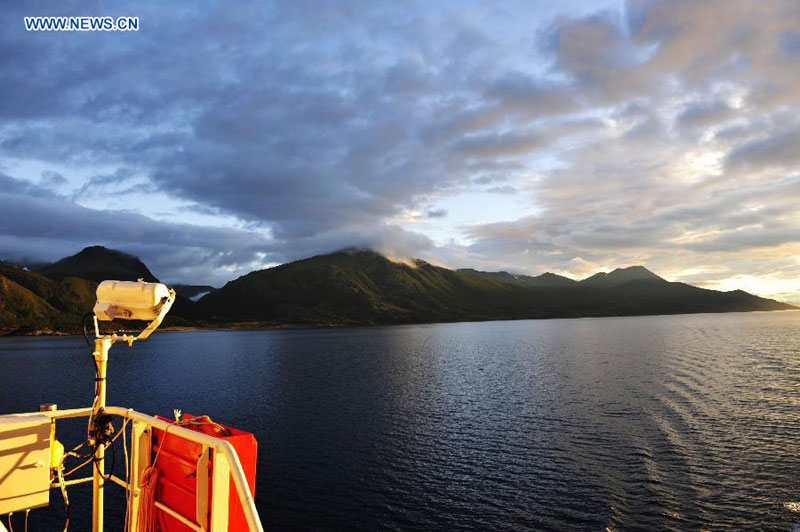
(254, 326)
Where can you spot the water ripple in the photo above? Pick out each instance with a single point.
(653, 423)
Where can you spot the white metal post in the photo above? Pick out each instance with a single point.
(220, 488)
(201, 492)
(101, 347)
(140, 459)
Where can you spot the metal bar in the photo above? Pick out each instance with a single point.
(201, 490)
(101, 348)
(60, 414)
(84, 480)
(243, 490)
(118, 481)
(140, 460)
(220, 492)
(178, 516)
(72, 482)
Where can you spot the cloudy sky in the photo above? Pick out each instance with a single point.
(529, 136)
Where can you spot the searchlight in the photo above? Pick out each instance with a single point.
(138, 300)
(123, 300)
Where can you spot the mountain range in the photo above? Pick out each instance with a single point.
(353, 287)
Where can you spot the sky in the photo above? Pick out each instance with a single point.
(531, 136)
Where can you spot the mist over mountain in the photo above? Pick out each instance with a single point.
(192, 291)
(354, 287)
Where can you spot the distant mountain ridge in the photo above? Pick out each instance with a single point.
(621, 276)
(354, 287)
(363, 287)
(546, 279)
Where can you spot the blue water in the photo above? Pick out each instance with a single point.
(662, 423)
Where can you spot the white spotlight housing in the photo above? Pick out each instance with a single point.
(129, 300)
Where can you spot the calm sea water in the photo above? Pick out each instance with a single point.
(662, 423)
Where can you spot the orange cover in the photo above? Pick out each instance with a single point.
(177, 472)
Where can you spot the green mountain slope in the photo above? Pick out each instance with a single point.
(30, 301)
(19, 306)
(354, 288)
(363, 287)
(57, 296)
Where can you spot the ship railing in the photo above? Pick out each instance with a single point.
(226, 465)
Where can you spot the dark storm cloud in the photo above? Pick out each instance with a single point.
(302, 117)
(269, 113)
